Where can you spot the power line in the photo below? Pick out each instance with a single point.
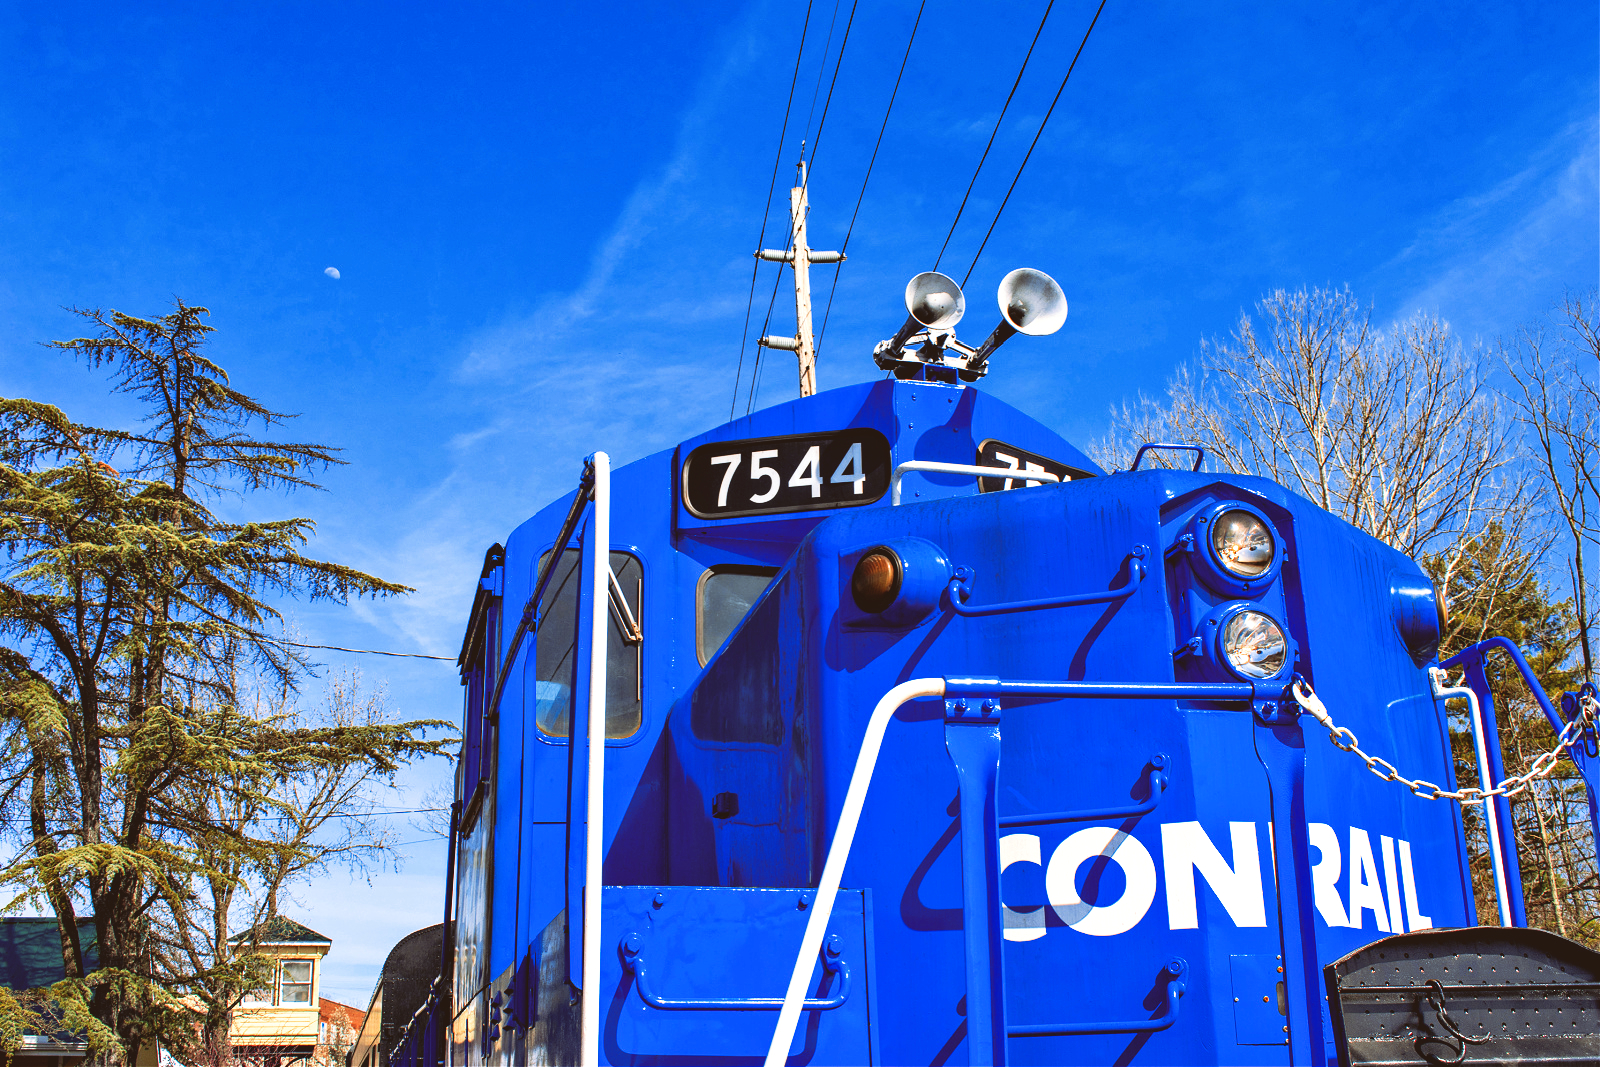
(755, 372)
(772, 184)
(844, 42)
(992, 134)
(870, 163)
(362, 651)
(364, 814)
(1035, 143)
(822, 124)
(827, 44)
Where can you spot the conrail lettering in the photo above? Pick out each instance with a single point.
(1233, 878)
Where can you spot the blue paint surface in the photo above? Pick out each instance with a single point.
(1264, 847)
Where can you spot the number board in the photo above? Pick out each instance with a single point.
(804, 472)
(999, 454)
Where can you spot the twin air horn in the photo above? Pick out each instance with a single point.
(1031, 303)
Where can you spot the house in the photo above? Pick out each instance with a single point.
(280, 1024)
(30, 958)
(337, 1027)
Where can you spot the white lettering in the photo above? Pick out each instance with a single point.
(727, 476)
(1010, 462)
(1391, 882)
(1415, 920)
(1325, 874)
(774, 479)
(1101, 920)
(813, 463)
(1185, 848)
(1032, 467)
(849, 470)
(1238, 886)
(1021, 925)
(1365, 892)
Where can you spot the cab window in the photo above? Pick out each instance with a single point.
(555, 647)
(726, 594)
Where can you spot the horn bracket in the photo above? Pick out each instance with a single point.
(933, 354)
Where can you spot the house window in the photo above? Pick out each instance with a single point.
(259, 997)
(296, 985)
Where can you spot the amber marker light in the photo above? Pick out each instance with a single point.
(876, 580)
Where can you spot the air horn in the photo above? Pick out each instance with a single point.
(1031, 303)
(935, 303)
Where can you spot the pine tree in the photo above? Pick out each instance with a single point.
(131, 610)
(1496, 590)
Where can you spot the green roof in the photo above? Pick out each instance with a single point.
(280, 931)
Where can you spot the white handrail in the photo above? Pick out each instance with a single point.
(594, 835)
(1009, 473)
(838, 852)
(1491, 819)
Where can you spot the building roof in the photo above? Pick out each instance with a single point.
(30, 952)
(280, 931)
(326, 1009)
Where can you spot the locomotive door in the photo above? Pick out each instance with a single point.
(1098, 907)
(555, 684)
(624, 704)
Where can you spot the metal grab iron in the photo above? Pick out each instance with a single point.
(1156, 781)
(1198, 450)
(633, 963)
(958, 590)
(1176, 970)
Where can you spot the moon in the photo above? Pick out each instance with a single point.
(332, 272)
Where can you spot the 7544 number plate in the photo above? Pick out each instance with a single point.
(804, 472)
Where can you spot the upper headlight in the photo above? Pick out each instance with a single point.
(1243, 543)
(1255, 645)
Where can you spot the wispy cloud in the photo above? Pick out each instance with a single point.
(1530, 235)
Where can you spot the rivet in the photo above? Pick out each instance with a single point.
(802, 904)
(1266, 1000)
(661, 898)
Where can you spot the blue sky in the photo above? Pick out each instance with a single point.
(543, 218)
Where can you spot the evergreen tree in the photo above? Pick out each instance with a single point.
(1549, 818)
(130, 611)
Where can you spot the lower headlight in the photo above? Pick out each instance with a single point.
(1254, 645)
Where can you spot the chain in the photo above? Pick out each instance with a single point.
(1588, 714)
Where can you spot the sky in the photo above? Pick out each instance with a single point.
(542, 219)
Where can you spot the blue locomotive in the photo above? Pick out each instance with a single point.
(884, 726)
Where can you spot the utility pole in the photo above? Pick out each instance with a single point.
(800, 256)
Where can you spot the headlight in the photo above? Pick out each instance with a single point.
(1243, 543)
(1254, 645)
